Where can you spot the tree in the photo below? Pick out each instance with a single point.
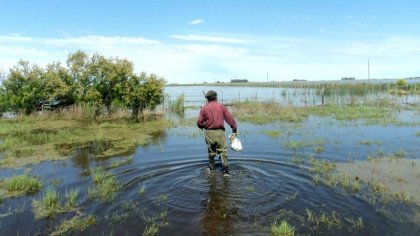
(78, 65)
(59, 85)
(143, 92)
(402, 83)
(96, 80)
(111, 78)
(24, 87)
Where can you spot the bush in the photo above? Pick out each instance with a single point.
(402, 83)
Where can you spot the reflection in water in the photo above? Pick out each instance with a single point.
(85, 153)
(218, 209)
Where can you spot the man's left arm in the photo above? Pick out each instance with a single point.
(230, 120)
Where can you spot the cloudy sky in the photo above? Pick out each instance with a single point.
(196, 41)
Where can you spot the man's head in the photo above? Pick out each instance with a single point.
(211, 95)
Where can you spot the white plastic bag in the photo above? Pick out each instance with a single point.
(235, 144)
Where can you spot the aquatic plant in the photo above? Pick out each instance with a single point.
(162, 198)
(319, 149)
(323, 219)
(355, 224)
(178, 106)
(151, 230)
(76, 224)
(48, 206)
(71, 198)
(141, 190)
(284, 229)
(273, 133)
(105, 187)
(267, 112)
(22, 184)
(127, 161)
(34, 139)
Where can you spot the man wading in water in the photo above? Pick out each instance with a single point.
(212, 119)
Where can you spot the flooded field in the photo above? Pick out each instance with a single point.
(305, 171)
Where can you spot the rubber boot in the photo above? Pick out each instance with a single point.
(226, 172)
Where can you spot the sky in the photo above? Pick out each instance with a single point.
(208, 41)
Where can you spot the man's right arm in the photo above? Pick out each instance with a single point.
(200, 120)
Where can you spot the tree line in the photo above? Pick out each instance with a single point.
(102, 82)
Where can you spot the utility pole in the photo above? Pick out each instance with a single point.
(267, 76)
(368, 70)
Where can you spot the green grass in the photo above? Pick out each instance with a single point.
(178, 106)
(162, 198)
(273, 133)
(48, 206)
(71, 198)
(22, 184)
(34, 139)
(151, 230)
(418, 133)
(380, 155)
(353, 112)
(284, 229)
(105, 185)
(269, 112)
(266, 112)
(75, 224)
(323, 219)
(356, 223)
(141, 190)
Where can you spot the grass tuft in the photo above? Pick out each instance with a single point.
(105, 187)
(71, 198)
(141, 190)
(284, 229)
(48, 206)
(77, 223)
(22, 184)
(151, 230)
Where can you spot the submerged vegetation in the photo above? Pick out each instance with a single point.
(269, 112)
(76, 224)
(35, 139)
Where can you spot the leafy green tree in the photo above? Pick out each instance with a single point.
(402, 83)
(24, 87)
(96, 80)
(78, 65)
(111, 77)
(144, 91)
(58, 84)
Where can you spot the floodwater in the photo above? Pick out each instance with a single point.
(183, 198)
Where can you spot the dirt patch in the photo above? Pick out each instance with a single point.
(400, 175)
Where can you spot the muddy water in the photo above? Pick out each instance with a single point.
(183, 198)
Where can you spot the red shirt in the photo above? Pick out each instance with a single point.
(213, 116)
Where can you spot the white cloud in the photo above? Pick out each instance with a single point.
(196, 22)
(206, 38)
(197, 58)
(349, 17)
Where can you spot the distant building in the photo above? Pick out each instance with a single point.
(348, 78)
(239, 81)
(299, 80)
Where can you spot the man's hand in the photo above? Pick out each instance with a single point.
(234, 131)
